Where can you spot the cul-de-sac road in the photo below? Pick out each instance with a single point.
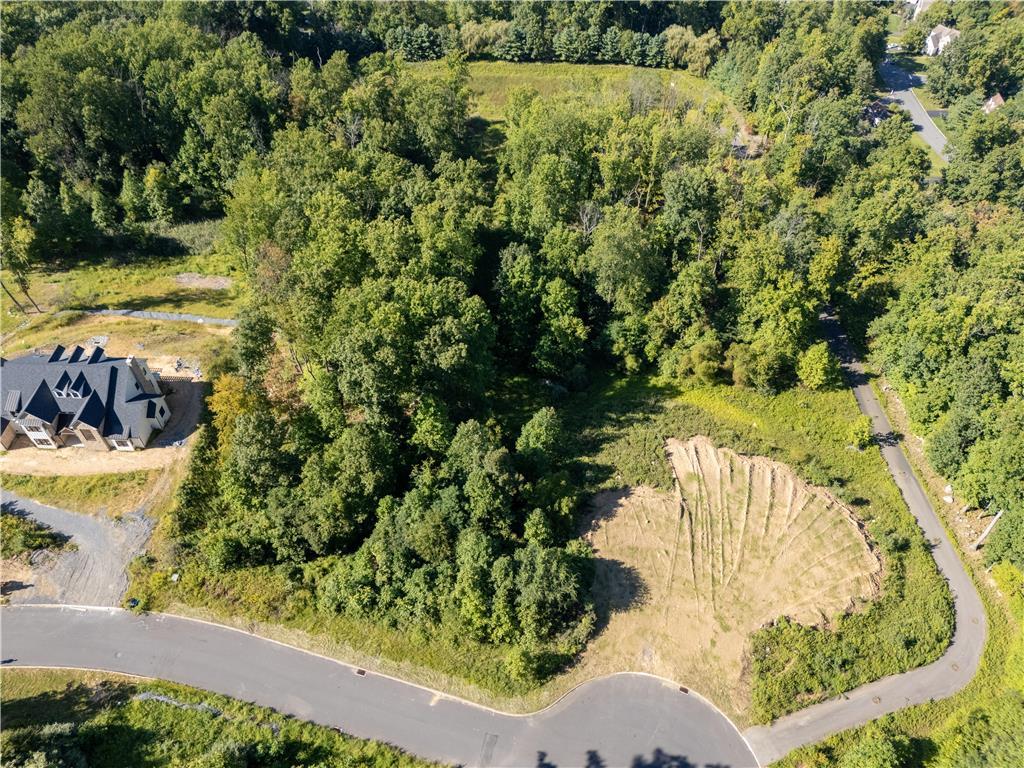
(623, 720)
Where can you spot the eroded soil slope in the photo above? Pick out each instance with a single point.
(685, 578)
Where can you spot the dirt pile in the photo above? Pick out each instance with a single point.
(685, 578)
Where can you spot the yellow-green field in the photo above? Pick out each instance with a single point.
(180, 270)
(150, 339)
(493, 81)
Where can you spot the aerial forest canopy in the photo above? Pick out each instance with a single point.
(406, 267)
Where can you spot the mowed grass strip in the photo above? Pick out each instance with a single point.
(109, 494)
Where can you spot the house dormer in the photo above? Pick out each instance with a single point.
(63, 385)
(81, 387)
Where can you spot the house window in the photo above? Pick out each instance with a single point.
(42, 442)
(88, 434)
(34, 429)
(162, 411)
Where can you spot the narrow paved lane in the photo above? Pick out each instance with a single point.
(901, 82)
(938, 680)
(623, 720)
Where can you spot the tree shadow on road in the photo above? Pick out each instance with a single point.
(658, 759)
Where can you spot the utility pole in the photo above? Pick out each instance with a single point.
(988, 529)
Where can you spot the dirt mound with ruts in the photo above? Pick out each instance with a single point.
(684, 578)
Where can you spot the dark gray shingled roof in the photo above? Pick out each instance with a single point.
(42, 405)
(103, 392)
(91, 414)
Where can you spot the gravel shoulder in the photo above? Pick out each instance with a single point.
(94, 570)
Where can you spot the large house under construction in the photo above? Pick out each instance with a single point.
(80, 397)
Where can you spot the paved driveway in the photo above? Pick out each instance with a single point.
(901, 82)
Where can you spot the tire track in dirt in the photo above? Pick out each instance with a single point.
(95, 571)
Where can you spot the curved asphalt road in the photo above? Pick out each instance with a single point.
(939, 679)
(623, 720)
(901, 82)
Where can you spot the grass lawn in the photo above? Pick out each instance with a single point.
(929, 103)
(937, 162)
(169, 277)
(893, 25)
(927, 100)
(95, 718)
(620, 428)
(112, 494)
(493, 81)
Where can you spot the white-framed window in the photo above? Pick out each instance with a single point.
(30, 428)
(88, 434)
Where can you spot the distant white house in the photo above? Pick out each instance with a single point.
(994, 103)
(939, 39)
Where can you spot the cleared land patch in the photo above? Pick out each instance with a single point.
(684, 578)
(492, 82)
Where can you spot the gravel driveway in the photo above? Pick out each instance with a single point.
(93, 573)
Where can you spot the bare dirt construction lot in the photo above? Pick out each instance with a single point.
(92, 572)
(683, 579)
